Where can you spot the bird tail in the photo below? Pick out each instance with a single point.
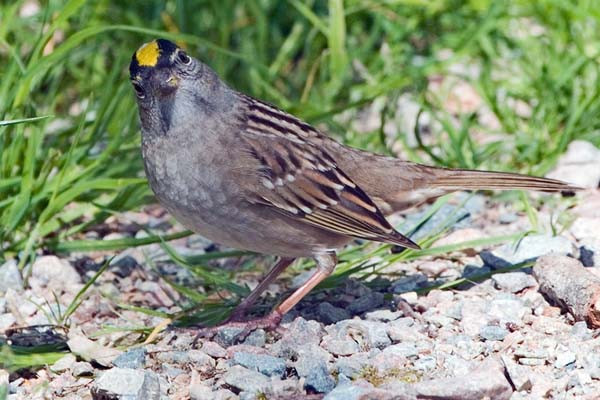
(463, 179)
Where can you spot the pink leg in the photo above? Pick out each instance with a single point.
(325, 265)
(240, 312)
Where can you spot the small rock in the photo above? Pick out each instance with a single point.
(508, 217)
(328, 314)
(425, 363)
(124, 383)
(256, 338)
(300, 334)
(173, 357)
(82, 368)
(319, 379)
(383, 315)
(247, 380)
(346, 391)
(531, 361)
(513, 282)
(54, 273)
(340, 347)
(352, 366)
(355, 288)
(372, 333)
(528, 249)
(200, 359)
(214, 350)
(366, 303)
(579, 165)
(171, 372)
(10, 277)
(563, 359)
(409, 283)
(133, 358)
(493, 332)
(90, 350)
(581, 331)
(487, 380)
(507, 309)
(63, 363)
(406, 350)
(265, 364)
(517, 374)
(227, 335)
(123, 265)
(199, 391)
(6, 321)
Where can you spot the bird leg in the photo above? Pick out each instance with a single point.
(240, 312)
(325, 266)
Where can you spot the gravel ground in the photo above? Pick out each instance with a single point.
(497, 339)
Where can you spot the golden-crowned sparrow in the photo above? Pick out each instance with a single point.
(246, 174)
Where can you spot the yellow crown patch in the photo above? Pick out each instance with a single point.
(147, 55)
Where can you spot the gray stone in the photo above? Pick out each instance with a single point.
(223, 394)
(265, 364)
(353, 365)
(199, 391)
(366, 303)
(173, 357)
(319, 379)
(200, 359)
(409, 283)
(487, 380)
(425, 363)
(246, 380)
(133, 358)
(513, 282)
(227, 335)
(356, 288)
(475, 270)
(564, 358)
(473, 205)
(340, 347)
(508, 217)
(328, 314)
(581, 331)
(383, 315)
(123, 265)
(345, 390)
(256, 338)
(82, 368)
(579, 165)
(493, 332)
(214, 350)
(406, 350)
(55, 273)
(6, 321)
(63, 363)
(300, 334)
(373, 333)
(10, 277)
(518, 375)
(528, 249)
(507, 308)
(127, 384)
(171, 372)
(591, 363)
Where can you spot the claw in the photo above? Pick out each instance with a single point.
(269, 323)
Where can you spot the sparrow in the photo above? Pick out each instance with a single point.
(246, 174)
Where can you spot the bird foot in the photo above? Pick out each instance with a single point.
(269, 322)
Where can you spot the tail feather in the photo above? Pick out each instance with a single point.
(461, 179)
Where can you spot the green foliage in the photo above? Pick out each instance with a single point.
(68, 125)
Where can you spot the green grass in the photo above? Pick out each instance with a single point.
(69, 136)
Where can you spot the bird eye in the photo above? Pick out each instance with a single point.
(184, 58)
(139, 91)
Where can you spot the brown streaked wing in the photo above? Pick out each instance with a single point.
(302, 180)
